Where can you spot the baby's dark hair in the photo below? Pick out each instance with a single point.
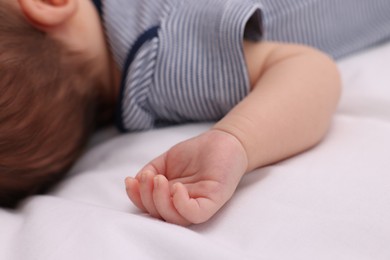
(47, 108)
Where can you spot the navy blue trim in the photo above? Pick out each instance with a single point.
(146, 36)
(98, 4)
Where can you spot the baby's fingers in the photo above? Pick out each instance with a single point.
(132, 190)
(146, 192)
(195, 210)
(163, 202)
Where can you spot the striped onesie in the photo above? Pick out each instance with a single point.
(182, 60)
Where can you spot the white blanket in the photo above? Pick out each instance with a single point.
(332, 202)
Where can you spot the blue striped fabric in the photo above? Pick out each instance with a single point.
(191, 67)
(338, 27)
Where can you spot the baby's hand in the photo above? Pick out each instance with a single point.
(191, 181)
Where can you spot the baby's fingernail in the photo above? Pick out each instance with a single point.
(128, 180)
(143, 177)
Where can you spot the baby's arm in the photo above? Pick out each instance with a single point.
(294, 93)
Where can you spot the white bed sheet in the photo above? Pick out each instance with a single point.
(332, 202)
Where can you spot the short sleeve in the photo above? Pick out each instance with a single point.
(199, 69)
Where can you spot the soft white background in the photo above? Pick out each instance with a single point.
(332, 202)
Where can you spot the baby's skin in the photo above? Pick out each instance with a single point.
(192, 181)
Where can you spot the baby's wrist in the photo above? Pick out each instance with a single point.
(234, 140)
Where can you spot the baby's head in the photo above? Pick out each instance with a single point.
(49, 95)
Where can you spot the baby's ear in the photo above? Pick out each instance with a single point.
(47, 14)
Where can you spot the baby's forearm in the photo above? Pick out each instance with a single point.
(294, 94)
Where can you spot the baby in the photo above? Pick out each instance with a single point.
(69, 65)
